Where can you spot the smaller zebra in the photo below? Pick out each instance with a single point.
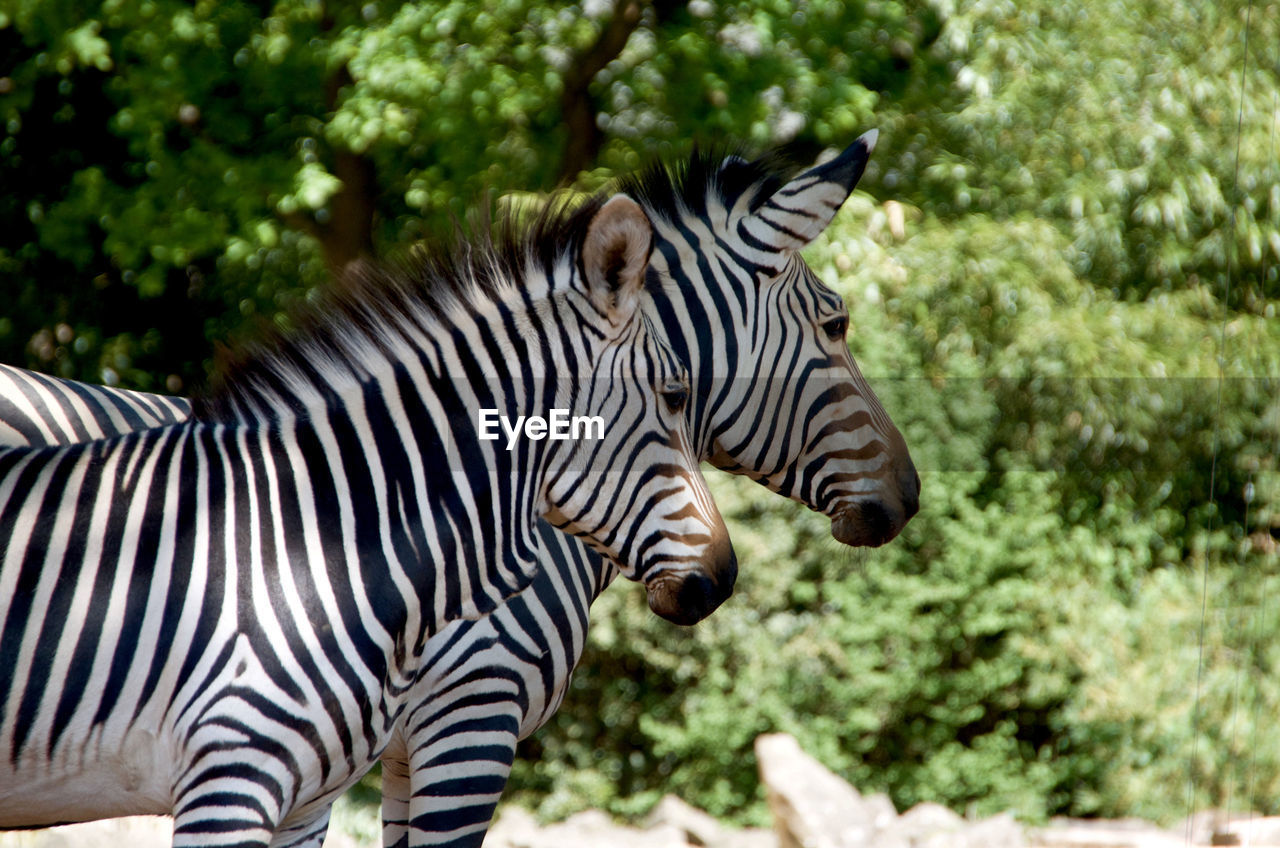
(223, 619)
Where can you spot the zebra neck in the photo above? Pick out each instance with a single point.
(430, 500)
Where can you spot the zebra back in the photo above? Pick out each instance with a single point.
(36, 409)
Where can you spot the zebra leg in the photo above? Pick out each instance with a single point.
(395, 794)
(458, 777)
(232, 791)
(304, 834)
(224, 814)
(221, 815)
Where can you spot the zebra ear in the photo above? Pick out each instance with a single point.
(799, 211)
(615, 255)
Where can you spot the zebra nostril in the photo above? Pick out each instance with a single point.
(683, 603)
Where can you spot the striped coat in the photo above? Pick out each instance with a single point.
(774, 396)
(224, 619)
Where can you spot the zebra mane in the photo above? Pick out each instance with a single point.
(724, 174)
(372, 304)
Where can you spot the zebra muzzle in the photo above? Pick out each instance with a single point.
(867, 524)
(688, 597)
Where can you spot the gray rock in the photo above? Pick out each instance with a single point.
(699, 828)
(136, 832)
(590, 829)
(928, 818)
(813, 807)
(1100, 833)
(999, 831)
(880, 807)
(1257, 831)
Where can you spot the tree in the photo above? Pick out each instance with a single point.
(202, 164)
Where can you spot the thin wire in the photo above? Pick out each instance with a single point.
(1235, 694)
(1260, 628)
(1217, 425)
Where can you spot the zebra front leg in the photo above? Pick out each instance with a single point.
(457, 780)
(233, 791)
(395, 795)
(305, 834)
(224, 811)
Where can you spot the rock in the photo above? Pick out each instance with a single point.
(594, 828)
(1091, 833)
(751, 837)
(672, 824)
(699, 828)
(930, 825)
(1218, 827)
(881, 810)
(1214, 827)
(136, 832)
(1262, 830)
(515, 828)
(813, 807)
(999, 831)
(927, 818)
(132, 831)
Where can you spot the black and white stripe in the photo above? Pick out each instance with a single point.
(224, 619)
(775, 396)
(39, 410)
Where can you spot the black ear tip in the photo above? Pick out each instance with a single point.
(847, 168)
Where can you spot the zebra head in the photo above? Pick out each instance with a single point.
(636, 495)
(779, 396)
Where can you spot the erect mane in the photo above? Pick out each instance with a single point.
(372, 303)
(722, 173)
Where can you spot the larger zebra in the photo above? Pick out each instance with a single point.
(803, 423)
(224, 619)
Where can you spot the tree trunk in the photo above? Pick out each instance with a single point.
(577, 106)
(347, 234)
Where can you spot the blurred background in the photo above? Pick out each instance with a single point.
(1062, 273)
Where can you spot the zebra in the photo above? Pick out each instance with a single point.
(775, 396)
(36, 409)
(730, 293)
(223, 619)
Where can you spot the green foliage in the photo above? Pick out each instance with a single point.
(1030, 642)
(200, 163)
(1043, 309)
(1118, 121)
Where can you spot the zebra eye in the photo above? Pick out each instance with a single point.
(675, 395)
(835, 327)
